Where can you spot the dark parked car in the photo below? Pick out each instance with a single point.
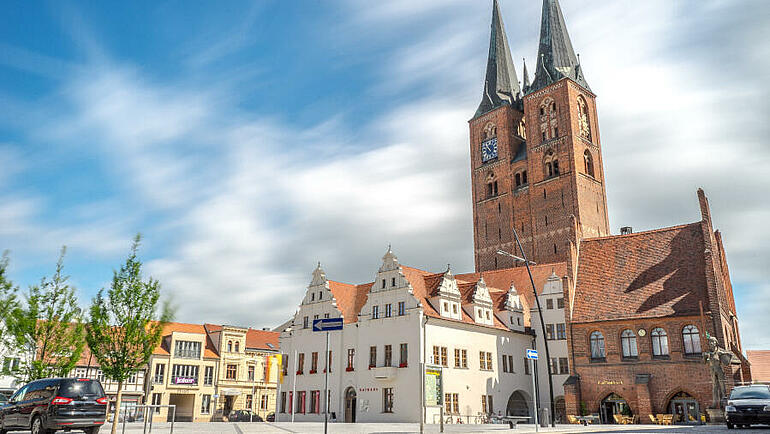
(244, 416)
(44, 406)
(748, 405)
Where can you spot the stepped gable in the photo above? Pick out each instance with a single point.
(656, 273)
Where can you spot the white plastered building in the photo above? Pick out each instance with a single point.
(475, 330)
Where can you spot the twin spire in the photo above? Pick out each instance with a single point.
(555, 60)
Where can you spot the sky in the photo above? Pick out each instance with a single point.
(246, 141)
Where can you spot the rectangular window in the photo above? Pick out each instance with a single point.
(383, 283)
(156, 401)
(301, 402)
(401, 308)
(527, 369)
(484, 404)
(387, 400)
(485, 361)
(160, 370)
(185, 374)
(436, 355)
(329, 362)
(263, 402)
(444, 357)
(305, 322)
(549, 331)
(490, 404)
(375, 312)
(283, 402)
(388, 355)
(457, 357)
(232, 372)
(455, 403)
(314, 362)
(351, 355)
(392, 281)
(313, 401)
(404, 356)
(249, 401)
(560, 303)
(489, 361)
(251, 373)
(388, 310)
(563, 366)
(505, 363)
(464, 358)
(549, 303)
(300, 363)
(208, 376)
(187, 350)
(561, 331)
(448, 403)
(554, 365)
(510, 365)
(205, 404)
(372, 356)
(284, 364)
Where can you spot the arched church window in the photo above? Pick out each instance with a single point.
(659, 342)
(517, 179)
(589, 163)
(691, 338)
(229, 346)
(583, 120)
(551, 165)
(491, 185)
(628, 343)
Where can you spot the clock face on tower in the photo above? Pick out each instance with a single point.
(489, 149)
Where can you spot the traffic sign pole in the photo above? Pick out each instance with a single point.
(326, 387)
(534, 390)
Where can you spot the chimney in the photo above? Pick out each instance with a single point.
(626, 230)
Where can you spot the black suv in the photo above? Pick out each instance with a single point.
(748, 405)
(44, 406)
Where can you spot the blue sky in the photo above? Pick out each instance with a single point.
(249, 140)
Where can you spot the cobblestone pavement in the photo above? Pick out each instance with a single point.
(377, 428)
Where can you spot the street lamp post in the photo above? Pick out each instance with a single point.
(540, 314)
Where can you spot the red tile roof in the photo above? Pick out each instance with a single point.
(760, 365)
(209, 350)
(649, 274)
(351, 298)
(262, 340)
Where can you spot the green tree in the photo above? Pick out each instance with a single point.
(48, 327)
(125, 327)
(8, 302)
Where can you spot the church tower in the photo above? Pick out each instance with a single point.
(535, 152)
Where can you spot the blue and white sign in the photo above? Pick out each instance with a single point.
(532, 354)
(327, 324)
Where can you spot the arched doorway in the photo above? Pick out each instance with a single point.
(684, 408)
(613, 405)
(560, 410)
(350, 405)
(517, 405)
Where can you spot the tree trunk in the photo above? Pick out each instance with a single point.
(116, 415)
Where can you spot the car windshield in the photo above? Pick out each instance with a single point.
(751, 393)
(76, 388)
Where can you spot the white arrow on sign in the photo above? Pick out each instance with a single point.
(531, 354)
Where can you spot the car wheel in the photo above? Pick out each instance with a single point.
(37, 426)
(92, 430)
(730, 426)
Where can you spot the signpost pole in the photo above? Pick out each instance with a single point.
(294, 387)
(441, 401)
(534, 391)
(326, 387)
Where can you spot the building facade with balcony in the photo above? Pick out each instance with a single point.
(476, 333)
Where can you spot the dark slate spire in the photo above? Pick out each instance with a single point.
(555, 57)
(525, 78)
(501, 85)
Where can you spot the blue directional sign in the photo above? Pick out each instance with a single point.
(532, 354)
(327, 324)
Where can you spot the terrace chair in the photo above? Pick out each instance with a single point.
(653, 419)
(618, 419)
(573, 419)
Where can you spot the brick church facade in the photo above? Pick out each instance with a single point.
(640, 305)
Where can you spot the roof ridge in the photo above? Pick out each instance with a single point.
(651, 231)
